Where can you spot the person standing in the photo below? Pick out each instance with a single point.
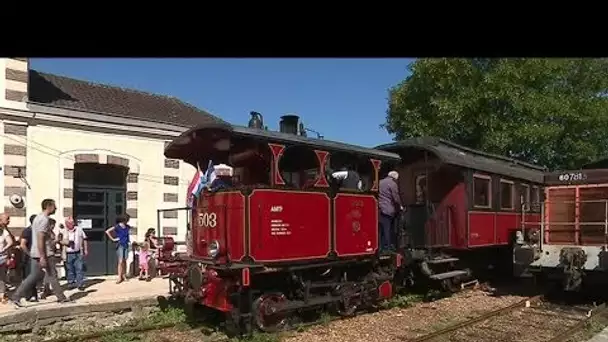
(26, 245)
(389, 203)
(6, 242)
(76, 249)
(348, 178)
(41, 241)
(121, 229)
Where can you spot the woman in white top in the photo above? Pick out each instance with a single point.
(6, 243)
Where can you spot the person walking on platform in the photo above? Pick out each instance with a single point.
(53, 255)
(39, 254)
(26, 245)
(389, 203)
(6, 242)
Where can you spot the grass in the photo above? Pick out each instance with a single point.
(258, 337)
(402, 301)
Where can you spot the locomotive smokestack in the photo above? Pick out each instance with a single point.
(289, 124)
(256, 121)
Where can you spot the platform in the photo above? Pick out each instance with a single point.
(602, 336)
(101, 294)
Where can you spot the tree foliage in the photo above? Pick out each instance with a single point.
(552, 112)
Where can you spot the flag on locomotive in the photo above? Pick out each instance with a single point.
(210, 179)
(199, 181)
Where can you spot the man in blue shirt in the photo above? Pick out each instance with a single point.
(121, 230)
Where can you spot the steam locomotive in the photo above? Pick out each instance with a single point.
(283, 238)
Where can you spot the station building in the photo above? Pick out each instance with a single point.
(97, 150)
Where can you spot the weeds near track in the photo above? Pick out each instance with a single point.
(402, 301)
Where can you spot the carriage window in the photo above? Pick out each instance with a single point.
(299, 167)
(481, 191)
(507, 195)
(535, 200)
(525, 192)
(420, 186)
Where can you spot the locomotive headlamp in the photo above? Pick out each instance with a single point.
(213, 249)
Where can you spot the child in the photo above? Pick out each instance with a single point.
(144, 260)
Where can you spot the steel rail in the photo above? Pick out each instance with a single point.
(472, 321)
(85, 336)
(568, 333)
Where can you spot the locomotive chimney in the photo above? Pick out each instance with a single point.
(256, 121)
(289, 124)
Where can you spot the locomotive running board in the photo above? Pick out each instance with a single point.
(441, 260)
(447, 275)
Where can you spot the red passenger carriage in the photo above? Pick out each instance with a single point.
(282, 237)
(463, 206)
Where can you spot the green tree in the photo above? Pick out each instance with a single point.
(552, 112)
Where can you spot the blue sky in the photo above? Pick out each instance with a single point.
(344, 99)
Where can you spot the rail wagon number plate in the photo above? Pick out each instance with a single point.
(575, 176)
(207, 220)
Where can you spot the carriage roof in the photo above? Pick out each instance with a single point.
(176, 150)
(454, 154)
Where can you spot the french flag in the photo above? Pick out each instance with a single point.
(196, 185)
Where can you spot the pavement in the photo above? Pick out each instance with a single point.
(602, 336)
(101, 294)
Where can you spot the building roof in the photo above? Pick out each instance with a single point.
(454, 154)
(64, 92)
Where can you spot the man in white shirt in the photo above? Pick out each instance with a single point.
(76, 248)
(348, 179)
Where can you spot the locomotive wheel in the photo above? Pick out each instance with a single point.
(265, 313)
(450, 285)
(347, 307)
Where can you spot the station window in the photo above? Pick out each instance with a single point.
(525, 193)
(507, 195)
(482, 191)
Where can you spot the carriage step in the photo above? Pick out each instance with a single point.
(447, 275)
(442, 260)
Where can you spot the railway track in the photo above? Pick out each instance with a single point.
(532, 319)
